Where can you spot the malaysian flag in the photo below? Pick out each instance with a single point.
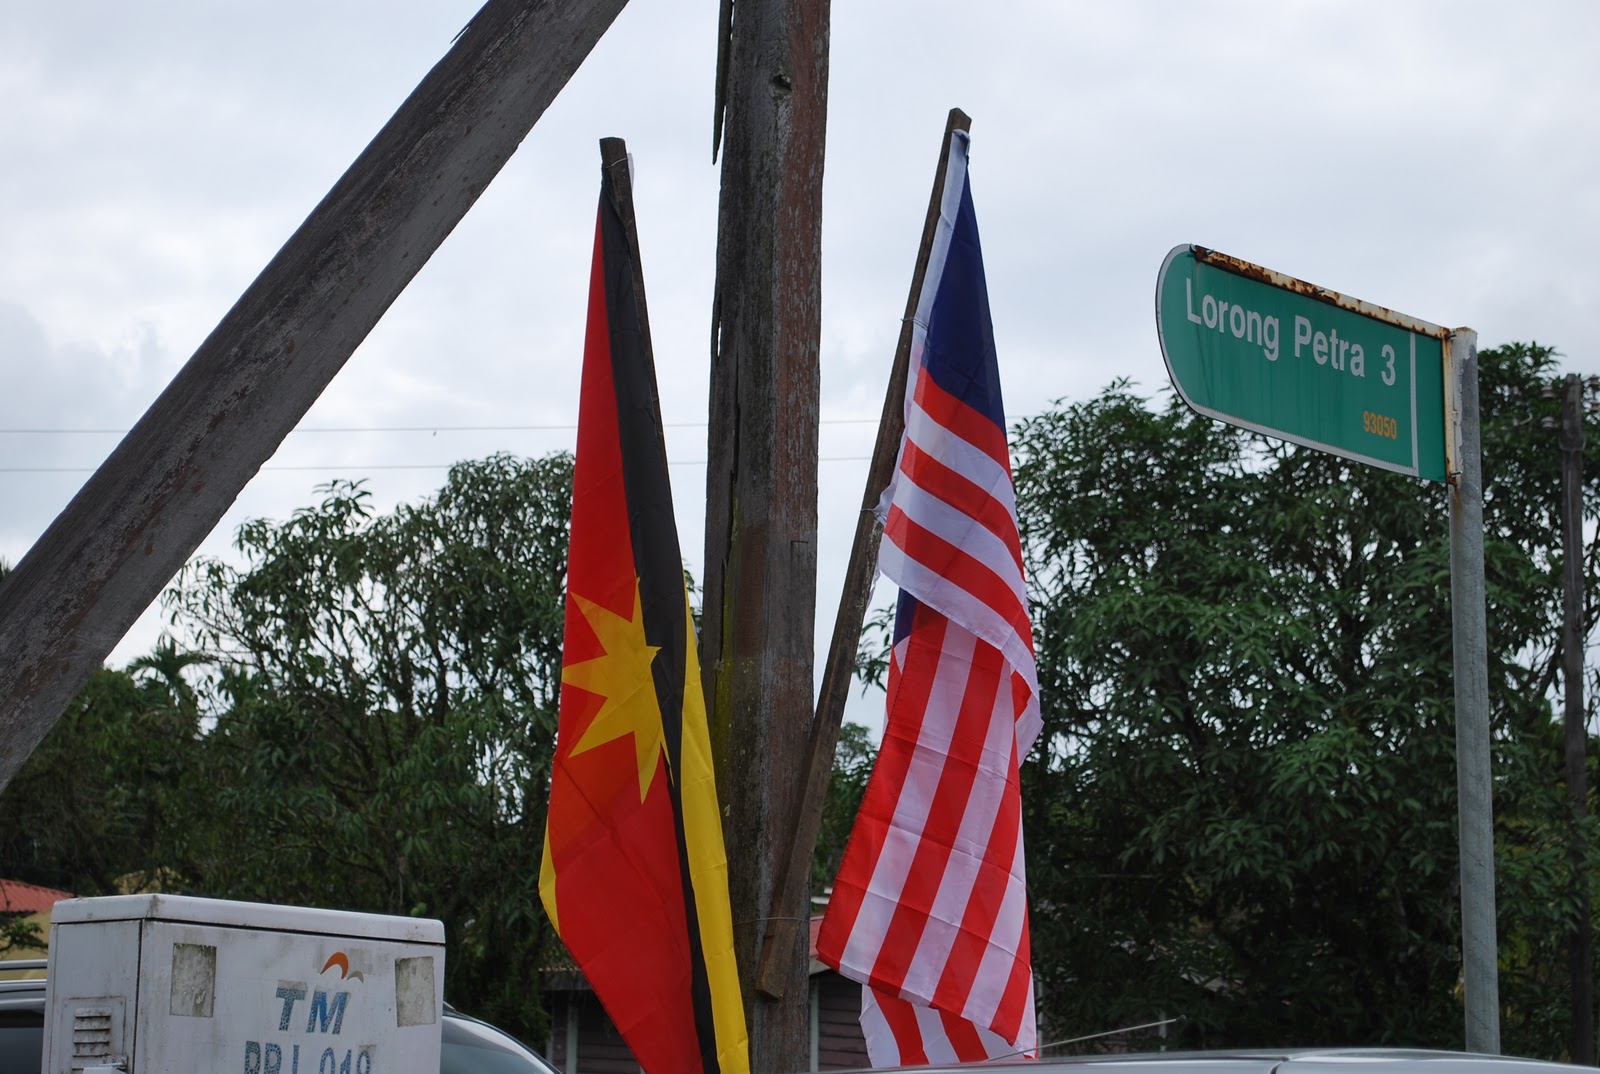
(929, 910)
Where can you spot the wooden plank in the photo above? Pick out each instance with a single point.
(771, 976)
(165, 486)
(761, 478)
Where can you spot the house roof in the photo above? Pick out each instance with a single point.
(17, 897)
(562, 972)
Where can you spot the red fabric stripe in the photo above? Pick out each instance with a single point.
(1014, 1003)
(983, 909)
(956, 416)
(943, 822)
(907, 705)
(964, 1039)
(966, 496)
(1020, 696)
(902, 1020)
(958, 568)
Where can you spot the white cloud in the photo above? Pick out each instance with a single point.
(1434, 157)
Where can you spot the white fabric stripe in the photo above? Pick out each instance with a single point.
(963, 608)
(975, 615)
(959, 454)
(955, 184)
(911, 807)
(993, 974)
(883, 1050)
(935, 1043)
(1028, 1037)
(1030, 721)
(994, 1045)
(928, 510)
(965, 863)
(955, 181)
(1027, 1030)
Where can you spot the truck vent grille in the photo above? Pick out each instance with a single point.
(91, 1037)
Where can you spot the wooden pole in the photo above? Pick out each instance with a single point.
(147, 508)
(758, 624)
(771, 978)
(614, 161)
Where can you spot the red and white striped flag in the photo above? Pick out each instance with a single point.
(929, 909)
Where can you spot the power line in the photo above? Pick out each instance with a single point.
(331, 467)
(565, 427)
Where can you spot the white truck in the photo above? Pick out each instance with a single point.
(164, 984)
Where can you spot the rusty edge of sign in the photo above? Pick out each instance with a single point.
(1453, 428)
(1310, 290)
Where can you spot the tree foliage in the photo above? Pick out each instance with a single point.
(382, 691)
(1243, 811)
(364, 719)
(98, 807)
(853, 757)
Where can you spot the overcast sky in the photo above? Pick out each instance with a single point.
(1440, 158)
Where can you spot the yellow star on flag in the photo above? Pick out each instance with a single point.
(622, 677)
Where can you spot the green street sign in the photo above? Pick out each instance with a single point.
(1266, 352)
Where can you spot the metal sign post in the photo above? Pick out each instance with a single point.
(1479, 963)
(1276, 355)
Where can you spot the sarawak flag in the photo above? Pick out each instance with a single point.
(634, 874)
(929, 910)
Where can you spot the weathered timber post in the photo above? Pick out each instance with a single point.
(761, 478)
(162, 490)
(839, 668)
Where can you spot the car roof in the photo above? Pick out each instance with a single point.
(22, 993)
(1283, 1061)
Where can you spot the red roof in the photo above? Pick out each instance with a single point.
(19, 898)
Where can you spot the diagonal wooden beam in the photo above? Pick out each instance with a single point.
(161, 491)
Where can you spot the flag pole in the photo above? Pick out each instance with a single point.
(853, 600)
(614, 161)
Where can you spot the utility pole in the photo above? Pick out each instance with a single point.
(758, 628)
(773, 975)
(1572, 642)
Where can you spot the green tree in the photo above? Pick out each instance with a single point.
(99, 806)
(853, 756)
(382, 703)
(20, 933)
(1243, 809)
